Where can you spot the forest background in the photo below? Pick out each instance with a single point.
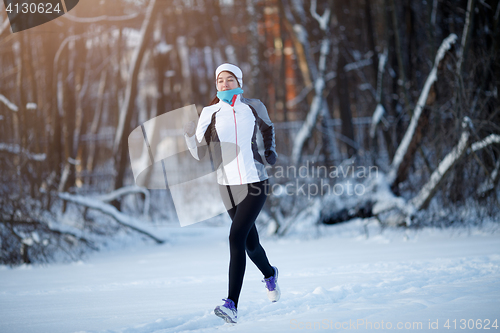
(406, 88)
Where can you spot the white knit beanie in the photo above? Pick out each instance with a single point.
(230, 68)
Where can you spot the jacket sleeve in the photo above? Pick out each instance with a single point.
(266, 127)
(198, 143)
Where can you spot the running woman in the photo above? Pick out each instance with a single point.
(227, 128)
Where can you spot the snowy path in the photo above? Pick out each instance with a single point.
(327, 282)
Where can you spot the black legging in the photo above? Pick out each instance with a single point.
(243, 237)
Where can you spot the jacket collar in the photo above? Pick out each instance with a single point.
(236, 101)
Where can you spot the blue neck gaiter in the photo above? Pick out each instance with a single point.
(227, 95)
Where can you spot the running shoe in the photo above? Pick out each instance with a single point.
(227, 311)
(273, 290)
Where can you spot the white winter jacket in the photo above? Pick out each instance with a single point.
(230, 133)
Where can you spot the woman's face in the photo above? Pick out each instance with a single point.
(226, 81)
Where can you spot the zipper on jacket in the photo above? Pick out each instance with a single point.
(236, 135)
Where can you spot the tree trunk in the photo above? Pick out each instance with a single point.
(399, 56)
(94, 127)
(370, 30)
(254, 15)
(344, 104)
(318, 73)
(124, 123)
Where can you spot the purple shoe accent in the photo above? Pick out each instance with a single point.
(228, 303)
(271, 281)
(273, 290)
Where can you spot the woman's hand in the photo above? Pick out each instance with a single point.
(189, 128)
(270, 157)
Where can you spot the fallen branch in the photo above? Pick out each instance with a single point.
(421, 201)
(412, 128)
(108, 197)
(123, 219)
(400, 210)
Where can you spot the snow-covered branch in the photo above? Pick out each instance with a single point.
(377, 116)
(429, 189)
(43, 228)
(102, 18)
(490, 182)
(401, 211)
(312, 116)
(8, 103)
(357, 64)
(108, 197)
(123, 219)
(405, 142)
(323, 19)
(15, 149)
(303, 93)
(492, 138)
(318, 75)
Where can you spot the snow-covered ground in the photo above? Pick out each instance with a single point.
(341, 281)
